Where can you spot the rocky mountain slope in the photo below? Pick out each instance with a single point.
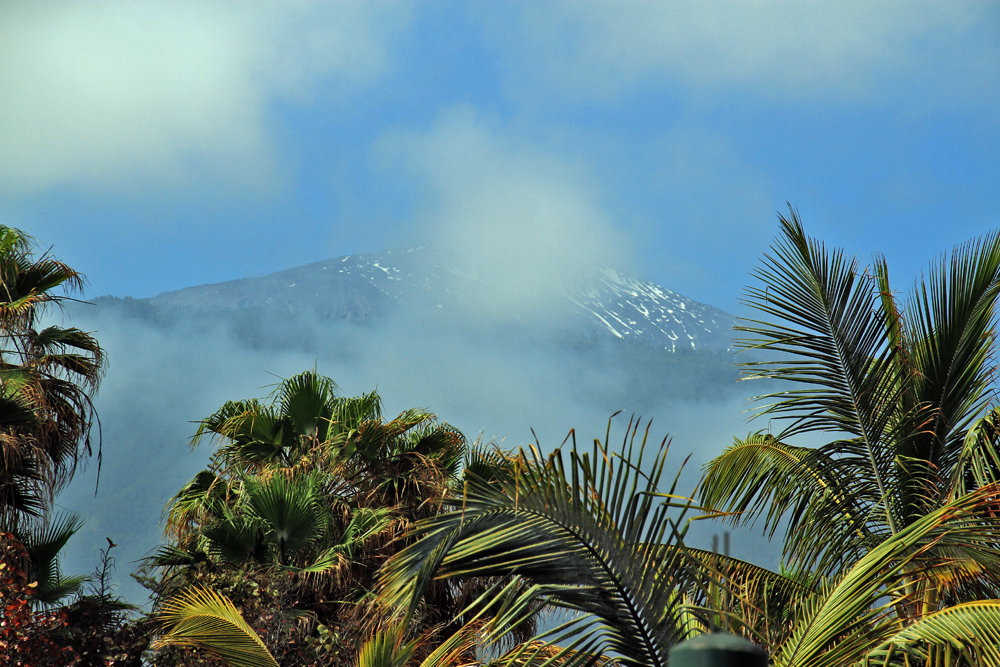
(375, 285)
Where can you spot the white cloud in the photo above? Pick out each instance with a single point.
(516, 223)
(840, 48)
(115, 94)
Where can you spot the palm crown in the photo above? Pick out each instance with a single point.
(903, 388)
(47, 379)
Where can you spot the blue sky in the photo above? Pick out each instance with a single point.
(161, 145)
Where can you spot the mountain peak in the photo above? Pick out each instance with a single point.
(374, 285)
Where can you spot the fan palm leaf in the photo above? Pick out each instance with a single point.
(306, 400)
(43, 541)
(289, 509)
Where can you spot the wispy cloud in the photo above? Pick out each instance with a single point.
(847, 50)
(168, 94)
(516, 222)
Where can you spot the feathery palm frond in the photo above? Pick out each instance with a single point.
(970, 630)
(585, 529)
(816, 490)
(854, 615)
(909, 384)
(202, 618)
(826, 321)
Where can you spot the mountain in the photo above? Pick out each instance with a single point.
(372, 286)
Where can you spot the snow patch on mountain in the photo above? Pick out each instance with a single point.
(370, 286)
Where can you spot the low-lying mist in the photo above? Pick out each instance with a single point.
(170, 367)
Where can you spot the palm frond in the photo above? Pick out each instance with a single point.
(951, 318)
(971, 629)
(290, 509)
(306, 398)
(813, 489)
(856, 614)
(584, 528)
(827, 325)
(237, 540)
(977, 462)
(43, 542)
(202, 618)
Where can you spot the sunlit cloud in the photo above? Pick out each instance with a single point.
(115, 96)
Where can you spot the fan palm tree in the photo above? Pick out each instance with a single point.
(47, 380)
(309, 448)
(307, 494)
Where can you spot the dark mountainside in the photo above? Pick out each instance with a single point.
(375, 285)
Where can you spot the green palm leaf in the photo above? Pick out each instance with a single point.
(201, 618)
(972, 629)
(978, 460)
(816, 490)
(237, 540)
(306, 399)
(386, 648)
(289, 508)
(855, 615)
(951, 319)
(585, 529)
(43, 542)
(825, 320)
(199, 499)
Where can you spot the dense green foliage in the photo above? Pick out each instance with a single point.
(305, 497)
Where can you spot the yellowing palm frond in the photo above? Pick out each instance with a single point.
(202, 618)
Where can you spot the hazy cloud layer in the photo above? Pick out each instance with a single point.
(517, 223)
(164, 378)
(147, 95)
(802, 50)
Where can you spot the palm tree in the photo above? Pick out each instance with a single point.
(47, 380)
(852, 617)
(903, 391)
(581, 532)
(306, 495)
(893, 527)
